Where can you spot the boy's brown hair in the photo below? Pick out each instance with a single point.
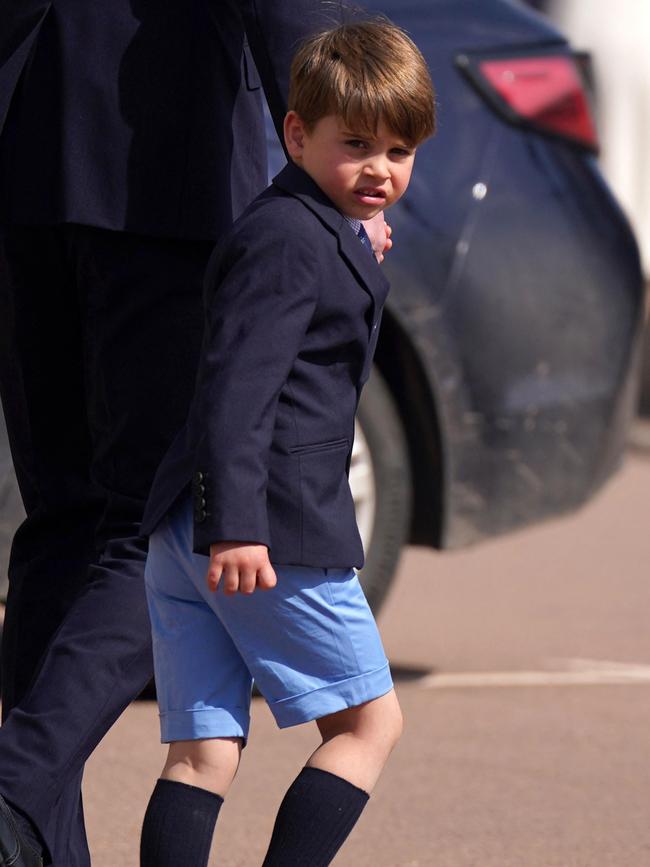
(364, 72)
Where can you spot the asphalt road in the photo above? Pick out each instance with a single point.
(523, 668)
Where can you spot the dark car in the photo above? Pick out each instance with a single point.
(505, 372)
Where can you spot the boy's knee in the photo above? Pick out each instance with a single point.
(393, 722)
(209, 764)
(397, 722)
(377, 721)
(385, 723)
(212, 762)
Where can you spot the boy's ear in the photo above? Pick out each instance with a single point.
(294, 135)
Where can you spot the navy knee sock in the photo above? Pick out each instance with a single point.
(318, 812)
(178, 826)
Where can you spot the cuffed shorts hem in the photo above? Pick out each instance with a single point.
(334, 697)
(210, 722)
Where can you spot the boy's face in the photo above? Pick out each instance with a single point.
(362, 175)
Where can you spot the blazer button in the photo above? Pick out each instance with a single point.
(199, 516)
(198, 477)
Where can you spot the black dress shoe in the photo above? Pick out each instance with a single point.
(14, 850)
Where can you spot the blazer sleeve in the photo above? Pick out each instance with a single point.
(257, 318)
(274, 29)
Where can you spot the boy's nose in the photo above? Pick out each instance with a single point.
(378, 168)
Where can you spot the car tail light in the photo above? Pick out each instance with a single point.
(543, 91)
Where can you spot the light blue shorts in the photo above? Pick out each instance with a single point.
(310, 644)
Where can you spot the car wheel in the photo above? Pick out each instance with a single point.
(381, 487)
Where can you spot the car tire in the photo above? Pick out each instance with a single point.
(380, 480)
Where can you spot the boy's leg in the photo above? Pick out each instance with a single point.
(204, 691)
(358, 741)
(324, 802)
(209, 763)
(313, 648)
(182, 812)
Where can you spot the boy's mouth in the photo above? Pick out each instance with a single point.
(370, 195)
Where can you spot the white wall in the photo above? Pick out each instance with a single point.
(617, 33)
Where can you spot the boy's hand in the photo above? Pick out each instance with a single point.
(240, 566)
(379, 233)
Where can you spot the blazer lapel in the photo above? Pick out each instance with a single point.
(297, 182)
(363, 264)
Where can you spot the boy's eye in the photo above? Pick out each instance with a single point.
(356, 143)
(402, 152)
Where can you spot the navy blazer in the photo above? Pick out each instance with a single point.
(293, 305)
(142, 115)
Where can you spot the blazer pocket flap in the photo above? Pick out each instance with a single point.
(328, 445)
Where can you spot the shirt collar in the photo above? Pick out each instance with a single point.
(354, 223)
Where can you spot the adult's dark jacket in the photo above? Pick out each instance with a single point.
(120, 113)
(293, 304)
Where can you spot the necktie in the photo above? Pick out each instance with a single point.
(360, 232)
(365, 240)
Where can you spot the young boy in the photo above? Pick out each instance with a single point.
(293, 302)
